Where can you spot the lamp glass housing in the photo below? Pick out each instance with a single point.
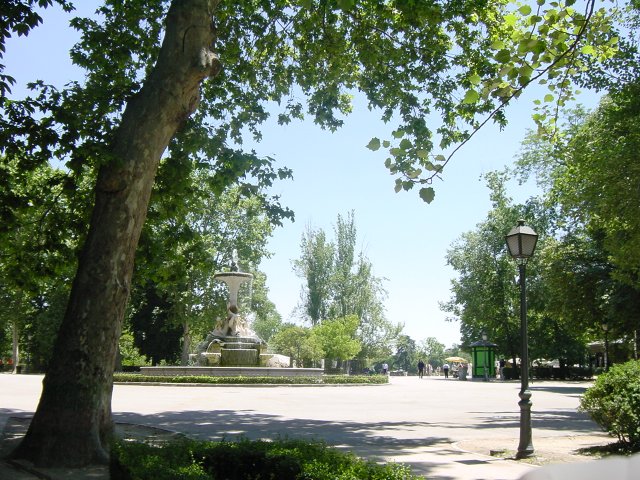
(521, 241)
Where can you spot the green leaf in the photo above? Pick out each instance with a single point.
(398, 133)
(525, 10)
(440, 158)
(533, 19)
(413, 174)
(471, 97)
(405, 144)
(588, 50)
(427, 194)
(548, 98)
(526, 71)
(503, 56)
(539, 47)
(374, 144)
(510, 20)
(475, 79)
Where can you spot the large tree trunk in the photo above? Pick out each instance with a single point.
(72, 425)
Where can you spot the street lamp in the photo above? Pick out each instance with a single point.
(605, 327)
(521, 242)
(484, 339)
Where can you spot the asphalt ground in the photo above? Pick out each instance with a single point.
(443, 429)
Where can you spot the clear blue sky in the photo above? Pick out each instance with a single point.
(404, 238)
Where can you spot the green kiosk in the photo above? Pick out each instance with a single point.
(483, 357)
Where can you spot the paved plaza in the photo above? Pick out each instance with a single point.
(443, 429)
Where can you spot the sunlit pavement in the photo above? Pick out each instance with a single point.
(419, 422)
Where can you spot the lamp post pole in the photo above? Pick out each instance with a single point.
(521, 242)
(525, 447)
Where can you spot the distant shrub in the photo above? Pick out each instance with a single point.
(324, 379)
(247, 460)
(613, 402)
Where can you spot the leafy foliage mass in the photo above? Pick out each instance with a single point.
(248, 460)
(614, 403)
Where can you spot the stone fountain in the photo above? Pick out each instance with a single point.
(233, 343)
(233, 348)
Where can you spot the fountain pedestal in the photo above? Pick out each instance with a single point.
(239, 352)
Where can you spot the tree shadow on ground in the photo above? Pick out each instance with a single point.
(553, 420)
(570, 390)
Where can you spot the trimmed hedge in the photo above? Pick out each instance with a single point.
(613, 402)
(246, 460)
(323, 380)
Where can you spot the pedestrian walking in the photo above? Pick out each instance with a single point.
(420, 368)
(445, 368)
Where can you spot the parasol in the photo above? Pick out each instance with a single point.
(456, 359)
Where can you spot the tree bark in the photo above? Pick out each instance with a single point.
(72, 425)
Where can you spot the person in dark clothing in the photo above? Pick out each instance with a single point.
(420, 368)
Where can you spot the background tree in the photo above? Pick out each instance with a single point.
(298, 343)
(337, 338)
(343, 283)
(315, 266)
(592, 269)
(432, 351)
(129, 354)
(484, 298)
(406, 355)
(38, 258)
(342, 280)
(267, 321)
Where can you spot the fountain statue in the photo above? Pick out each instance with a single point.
(234, 324)
(233, 343)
